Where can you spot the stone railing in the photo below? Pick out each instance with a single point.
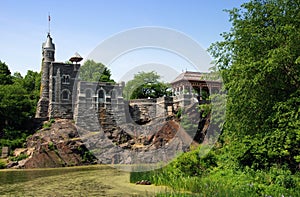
(164, 99)
(182, 97)
(142, 101)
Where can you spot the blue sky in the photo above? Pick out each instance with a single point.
(79, 26)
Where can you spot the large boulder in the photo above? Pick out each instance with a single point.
(56, 145)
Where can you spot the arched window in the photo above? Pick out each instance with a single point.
(101, 96)
(66, 79)
(65, 94)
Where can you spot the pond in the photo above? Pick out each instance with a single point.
(97, 180)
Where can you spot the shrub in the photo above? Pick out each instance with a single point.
(88, 156)
(19, 157)
(179, 113)
(2, 164)
(51, 146)
(191, 164)
(48, 124)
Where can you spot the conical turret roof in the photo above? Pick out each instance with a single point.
(49, 44)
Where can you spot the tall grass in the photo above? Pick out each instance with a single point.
(227, 183)
(183, 180)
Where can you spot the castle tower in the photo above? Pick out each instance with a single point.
(48, 51)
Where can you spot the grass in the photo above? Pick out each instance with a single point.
(189, 175)
(221, 184)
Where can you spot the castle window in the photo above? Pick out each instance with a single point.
(101, 96)
(66, 79)
(65, 95)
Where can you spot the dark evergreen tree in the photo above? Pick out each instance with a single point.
(5, 77)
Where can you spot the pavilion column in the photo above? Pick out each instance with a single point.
(200, 91)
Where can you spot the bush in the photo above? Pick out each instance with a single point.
(51, 146)
(2, 164)
(48, 124)
(13, 143)
(191, 164)
(181, 172)
(88, 156)
(19, 157)
(179, 113)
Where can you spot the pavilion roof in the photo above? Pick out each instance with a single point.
(189, 76)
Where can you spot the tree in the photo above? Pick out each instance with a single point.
(95, 72)
(17, 107)
(5, 77)
(260, 65)
(144, 85)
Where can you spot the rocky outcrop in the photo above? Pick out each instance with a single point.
(111, 141)
(157, 142)
(57, 145)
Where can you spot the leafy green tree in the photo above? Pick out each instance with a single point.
(144, 85)
(260, 64)
(17, 108)
(15, 105)
(95, 72)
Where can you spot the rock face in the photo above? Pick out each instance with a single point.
(156, 142)
(58, 145)
(111, 141)
(153, 141)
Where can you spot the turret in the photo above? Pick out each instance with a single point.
(48, 51)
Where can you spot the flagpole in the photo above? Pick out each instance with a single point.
(49, 18)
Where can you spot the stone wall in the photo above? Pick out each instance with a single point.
(142, 110)
(91, 98)
(63, 83)
(165, 106)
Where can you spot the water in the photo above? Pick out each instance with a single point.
(75, 181)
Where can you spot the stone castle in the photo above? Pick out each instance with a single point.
(64, 95)
(115, 130)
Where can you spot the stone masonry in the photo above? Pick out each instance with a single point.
(63, 95)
